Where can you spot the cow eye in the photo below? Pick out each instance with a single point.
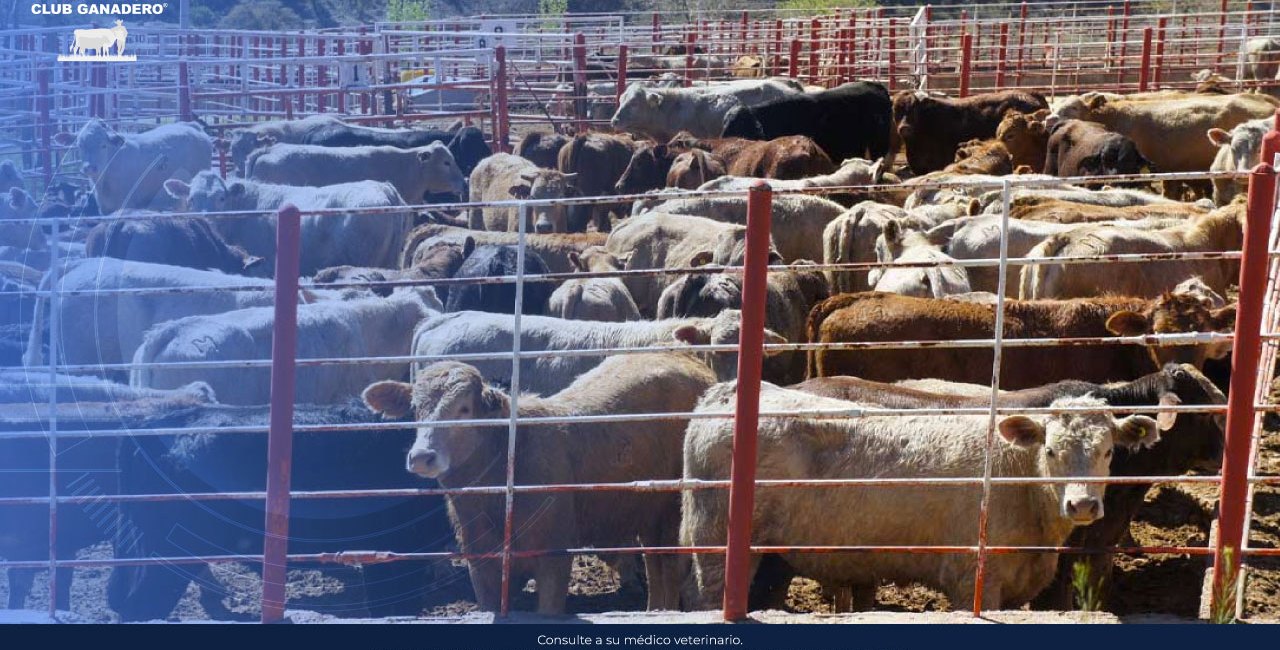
(1049, 452)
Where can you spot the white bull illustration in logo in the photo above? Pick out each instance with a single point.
(100, 40)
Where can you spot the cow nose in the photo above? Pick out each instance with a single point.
(542, 227)
(421, 462)
(1086, 509)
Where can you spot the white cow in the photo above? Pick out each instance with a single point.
(363, 328)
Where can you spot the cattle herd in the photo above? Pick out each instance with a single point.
(161, 319)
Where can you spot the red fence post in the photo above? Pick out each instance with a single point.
(691, 44)
(284, 347)
(742, 46)
(1124, 44)
(1222, 34)
(342, 95)
(184, 91)
(622, 73)
(1160, 31)
(1022, 41)
(45, 127)
(747, 411)
(1002, 65)
(793, 62)
(501, 116)
(1144, 69)
(657, 32)
(966, 62)
(580, 82)
(814, 44)
(774, 66)
(1234, 489)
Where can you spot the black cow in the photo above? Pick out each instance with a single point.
(498, 261)
(1081, 148)
(209, 461)
(177, 241)
(851, 120)
(466, 144)
(85, 466)
(1195, 440)
(932, 128)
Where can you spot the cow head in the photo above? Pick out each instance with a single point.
(443, 392)
(636, 103)
(546, 184)
(1025, 136)
(1190, 307)
(439, 171)
(597, 259)
(723, 329)
(647, 169)
(208, 192)
(1238, 150)
(17, 204)
(1078, 445)
(243, 143)
(97, 143)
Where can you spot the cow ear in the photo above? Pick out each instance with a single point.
(892, 231)
(1128, 323)
(1095, 102)
(975, 206)
(624, 259)
(392, 400)
(576, 261)
(775, 258)
(691, 335)
(116, 139)
(1022, 431)
(519, 191)
(493, 402)
(1223, 319)
(1137, 432)
(1020, 169)
(252, 263)
(64, 139)
(1166, 419)
(1051, 121)
(468, 246)
(1219, 137)
(235, 188)
(654, 99)
(702, 258)
(177, 189)
(773, 338)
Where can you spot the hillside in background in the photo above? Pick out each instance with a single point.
(298, 14)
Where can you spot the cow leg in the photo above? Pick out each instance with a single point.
(851, 598)
(486, 580)
(146, 593)
(664, 578)
(552, 576)
(771, 584)
(20, 581)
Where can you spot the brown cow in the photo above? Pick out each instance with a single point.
(691, 169)
(792, 157)
(932, 127)
(436, 260)
(541, 149)
(1060, 211)
(872, 316)
(1081, 148)
(555, 454)
(989, 157)
(598, 161)
(647, 169)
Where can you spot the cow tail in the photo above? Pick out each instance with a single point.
(34, 356)
(839, 250)
(152, 342)
(813, 329)
(572, 300)
(1037, 281)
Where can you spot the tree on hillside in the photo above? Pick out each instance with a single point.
(261, 14)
